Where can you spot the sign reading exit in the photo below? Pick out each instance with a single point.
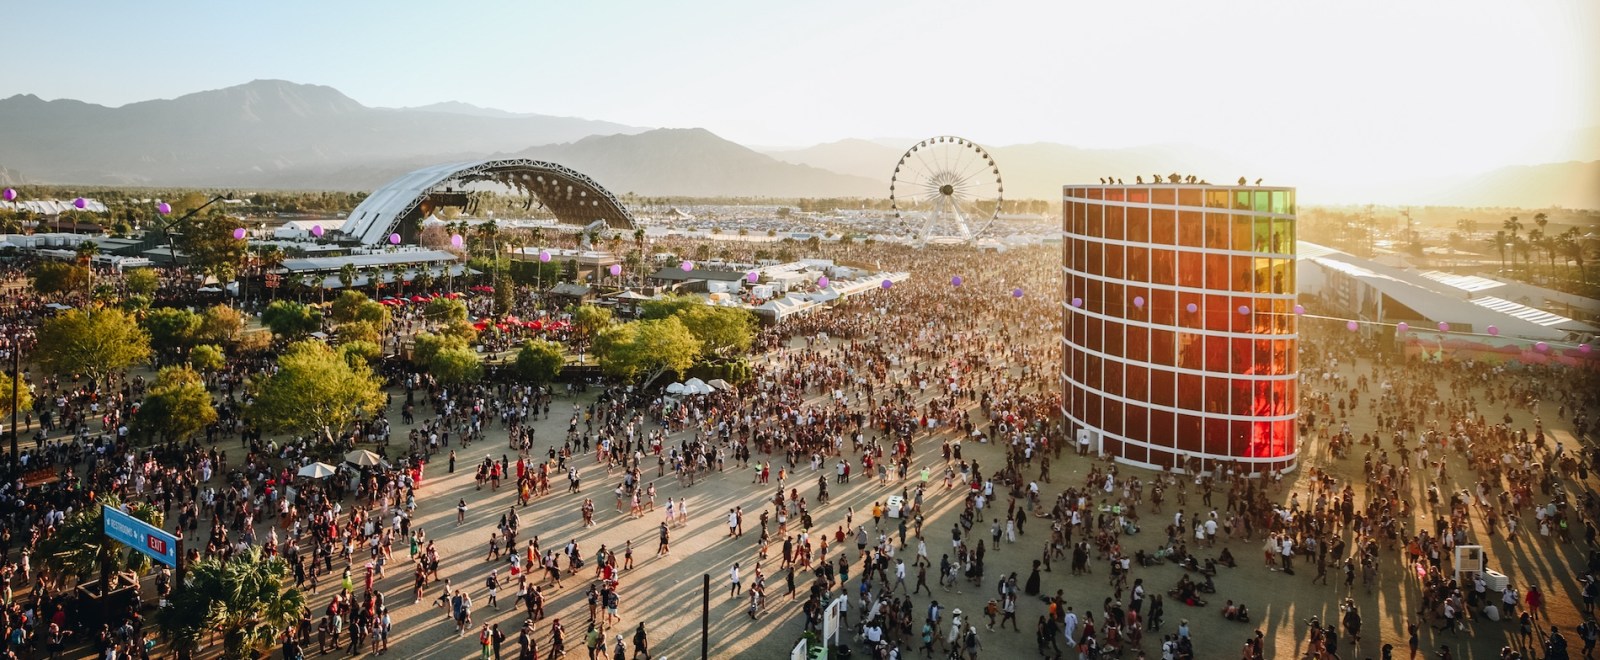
(140, 535)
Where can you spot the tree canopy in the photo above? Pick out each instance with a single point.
(315, 390)
(175, 407)
(96, 342)
(172, 330)
(539, 361)
(589, 320)
(722, 331)
(24, 397)
(246, 598)
(207, 357)
(209, 243)
(220, 324)
(643, 350)
(141, 281)
(287, 318)
(666, 306)
(447, 357)
(443, 310)
(57, 277)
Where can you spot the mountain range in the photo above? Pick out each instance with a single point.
(278, 134)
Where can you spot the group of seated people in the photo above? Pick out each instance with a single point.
(1237, 612)
(1188, 591)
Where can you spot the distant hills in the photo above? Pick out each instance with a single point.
(278, 134)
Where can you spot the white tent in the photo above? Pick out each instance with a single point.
(677, 388)
(697, 386)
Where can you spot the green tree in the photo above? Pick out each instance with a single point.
(343, 309)
(460, 328)
(456, 364)
(176, 407)
(289, 319)
(589, 320)
(643, 350)
(722, 331)
(364, 352)
(245, 598)
(96, 342)
(347, 275)
(80, 546)
(362, 331)
(207, 357)
(209, 243)
(539, 362)
(426, 345)
(504, 297)
(24, 397)
(315, 390)
(376, 314)
(444, 310)
(220, 324)
(172, 330)
(666, 306)
(58, 277)
(141, 281)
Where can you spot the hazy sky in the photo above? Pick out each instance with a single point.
(1345, 91)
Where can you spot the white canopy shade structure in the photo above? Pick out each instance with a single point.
(363, 458)
(720, 384)
(697, 386)
(317, 471)
(676, 388)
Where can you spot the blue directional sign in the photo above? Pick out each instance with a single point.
(141, 536)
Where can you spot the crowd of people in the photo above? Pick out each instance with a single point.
(862, 424)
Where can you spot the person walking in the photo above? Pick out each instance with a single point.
(733, 581)
(641, 643)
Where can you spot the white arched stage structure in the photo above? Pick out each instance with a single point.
(400, 205)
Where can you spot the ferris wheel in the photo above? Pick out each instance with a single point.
(948, 189)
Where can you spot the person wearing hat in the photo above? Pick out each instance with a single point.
(618, 650)
(956, 625)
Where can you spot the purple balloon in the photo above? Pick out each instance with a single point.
(1494, 331)
(616, 269)
(80, 202)
(1444, 327)
(1583, 348)
(822, 282)
(316, 230)
(752, 277)
(164, 208)
(238, 233)
(1244, 309)
(544, 256)
(887, 284)
(1353, 326)
(1541, 347)
(1402, 327)
(11, 194)
(1192, 308)
(955, 281)
(686, 266)
(1077, 302)
(1299, 309)
(456, 241)
(394, 239)
(1017, 292)
(1138, 301)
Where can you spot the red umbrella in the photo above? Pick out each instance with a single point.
(480, 325)
(452, 295)
(535, 325)
(418, 299)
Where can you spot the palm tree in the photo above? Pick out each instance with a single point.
(1571, 246)
(374, 278)
(245, 598)
(1512, 225)
(347, 275)
(1499, 243)
(86, 251)
(80, 545)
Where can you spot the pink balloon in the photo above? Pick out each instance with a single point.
(887, 284)
(80, 202)
(1541, 347)
(456, 240)
(1402, 327)
(316, 230)
(238, 233)
(11, 194)
(1444, 327)
(616, 269)
(822, 282)
(164, 208)
(1494, 331)
(1077, 302)
(1583, 348)
(1244, 309)
(1192, 308)
(752, 277)
(394, 239)
(955, 281)
(1017, 292)
(1138, 301)
(1353, 326)
(1299, 309)
(687, 266)
(544, 256)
